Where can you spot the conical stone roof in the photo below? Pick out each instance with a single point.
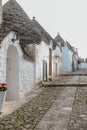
(58, 38)
(43, 33)
(15, 19)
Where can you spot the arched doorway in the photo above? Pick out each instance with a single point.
(12, 73)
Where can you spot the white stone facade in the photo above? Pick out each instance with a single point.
(20, 74)
(42, 54)
(57, 56)
(17, 72)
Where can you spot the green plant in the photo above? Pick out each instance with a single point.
(50, 78)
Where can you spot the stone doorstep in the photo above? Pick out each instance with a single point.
(73, 74)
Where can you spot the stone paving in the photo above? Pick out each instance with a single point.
(83, 79)
(10, 106)
(77, 72)
(78, 119)
(54, 108)
(27, 117)
(57, 117)
(76, 80)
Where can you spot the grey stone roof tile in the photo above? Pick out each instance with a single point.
(58, 38)
(43, 33)
(15, 19)
(41, 30)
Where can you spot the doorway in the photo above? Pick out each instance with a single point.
(12, 73)
(44, 71)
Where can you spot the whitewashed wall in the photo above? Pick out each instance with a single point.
(42, 53)
(60, 60)
(26, 72)
(82, 66)
(57, 58)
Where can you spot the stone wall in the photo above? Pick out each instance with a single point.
(25, 74)
(0, 11)
(42, 53)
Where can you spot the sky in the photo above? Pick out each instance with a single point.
(68, 17)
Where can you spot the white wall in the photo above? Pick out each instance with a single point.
(26, 75)
(42, 53)
(57, 58)
(26, 72)
(82, 66)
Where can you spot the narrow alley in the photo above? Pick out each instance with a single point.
(61, 105)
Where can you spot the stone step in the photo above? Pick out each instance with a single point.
(65, 84)
(73, 75)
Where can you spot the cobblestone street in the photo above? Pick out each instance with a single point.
(31, 113)
(55, 108)
(78, 119)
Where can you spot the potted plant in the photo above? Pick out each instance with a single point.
(50, 78)
(3, 90)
